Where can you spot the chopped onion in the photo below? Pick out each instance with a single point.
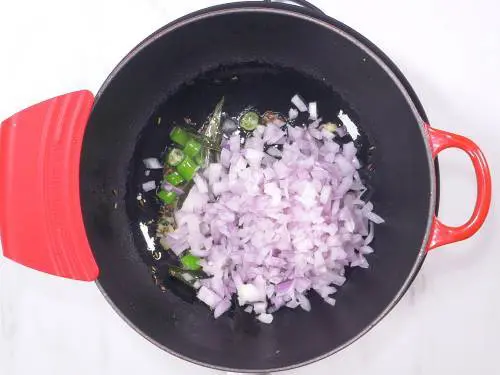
(341, 131)
(209, 297)
(268, 230)
(201, 184)
(329, 300)
(298, 102)
(260, 307)
(148, 186)
(351, 128)
(369, 238)
(315, 124)
(169, 187)
(313, 110)
(273, 151)
(248, 293)
(375, 218)
(229, 125)
(304, 302)
(222, 307)
(265, 318)
(272, 134)
(152, 163)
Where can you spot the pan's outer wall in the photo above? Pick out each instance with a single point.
(404, 183)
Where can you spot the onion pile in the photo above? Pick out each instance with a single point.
(269, 224)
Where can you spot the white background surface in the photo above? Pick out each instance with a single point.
(449, 321)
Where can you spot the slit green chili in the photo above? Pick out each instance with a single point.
(174, 178)
(250, 120)
(187, 168)
(179, 136)
(190, 262)
(168, 197)
(192, 148)
(175, 157)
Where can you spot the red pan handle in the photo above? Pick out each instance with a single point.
(442, 234)
(41, 223)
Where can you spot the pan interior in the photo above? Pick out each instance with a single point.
(183, 73)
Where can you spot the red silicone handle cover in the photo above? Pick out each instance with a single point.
(442, 234)
(41, 223)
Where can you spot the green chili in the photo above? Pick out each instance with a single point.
(167, 197)
(195, 274)
(175, 156)
(192, 148)
(187, 168)
(250, 120)
(179, 135)
(200, 158)
(174, 178)
(190, 262)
